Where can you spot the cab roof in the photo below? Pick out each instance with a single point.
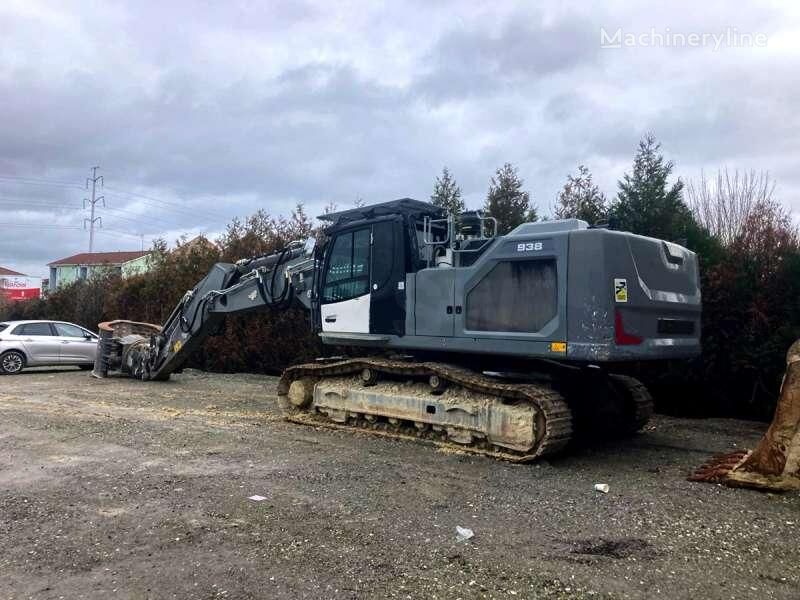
(403, 206)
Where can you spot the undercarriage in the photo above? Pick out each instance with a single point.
(451, 406)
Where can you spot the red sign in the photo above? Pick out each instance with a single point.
(20, 288)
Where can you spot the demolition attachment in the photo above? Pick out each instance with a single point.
(775, 463)
(153, 352)
(121, 346)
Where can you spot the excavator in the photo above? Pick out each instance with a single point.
(501, 345)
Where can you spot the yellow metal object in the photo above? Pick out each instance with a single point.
(176, 347)
(558, 347)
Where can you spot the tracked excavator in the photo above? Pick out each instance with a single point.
(502, 345)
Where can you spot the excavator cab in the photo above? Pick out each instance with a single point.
(371, 261)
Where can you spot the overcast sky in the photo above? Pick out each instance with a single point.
(199, 112)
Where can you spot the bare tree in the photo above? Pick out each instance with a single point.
(724, 206)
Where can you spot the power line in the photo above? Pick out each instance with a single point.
(107, 231)
(181, 212)
(40, 204)
(135, 214)
(37, 226)
(39, 181)
(37, 204)
(104, 231)
(168, 205)
(177, 206)
(54, 204)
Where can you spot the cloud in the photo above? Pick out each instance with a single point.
(198, 114)
(518, 57)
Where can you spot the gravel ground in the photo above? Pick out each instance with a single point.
(125, 489)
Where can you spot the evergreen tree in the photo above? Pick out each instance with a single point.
(507, 202)
(580, 198)
(645, 203)
(447, 194)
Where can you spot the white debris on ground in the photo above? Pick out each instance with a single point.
(464, 533)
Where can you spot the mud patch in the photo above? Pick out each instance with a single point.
(614, 548)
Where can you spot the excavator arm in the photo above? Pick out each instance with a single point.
(147, 351)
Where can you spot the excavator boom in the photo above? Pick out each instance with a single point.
(147, 351)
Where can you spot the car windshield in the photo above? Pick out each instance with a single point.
(3, 326)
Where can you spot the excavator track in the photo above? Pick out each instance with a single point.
(514, 407)
(638, 402)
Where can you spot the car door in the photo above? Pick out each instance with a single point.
(39, 343)
(78, 346)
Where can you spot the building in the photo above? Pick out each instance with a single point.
(82, 266)
(199, 244)
(17, 286)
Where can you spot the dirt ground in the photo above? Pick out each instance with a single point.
(125, 489)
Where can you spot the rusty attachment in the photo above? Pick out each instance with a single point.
(774, 465)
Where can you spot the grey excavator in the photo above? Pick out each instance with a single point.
(503, 345)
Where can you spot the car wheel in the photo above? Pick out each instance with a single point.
(12, 362)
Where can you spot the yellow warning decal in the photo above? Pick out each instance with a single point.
(621, 290)
(558, 346)
(176, 347)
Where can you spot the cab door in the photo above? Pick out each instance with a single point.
(387, 309)
(345, 301)
(364, 285)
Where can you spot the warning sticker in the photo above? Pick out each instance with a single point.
(621, 290)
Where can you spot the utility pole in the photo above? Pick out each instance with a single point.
(95, 199)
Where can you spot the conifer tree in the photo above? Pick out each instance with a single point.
(646, 204)
(507, 201)
(447, 194)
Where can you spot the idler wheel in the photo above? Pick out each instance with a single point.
(369, 376)
(438, 385)
(301, 392)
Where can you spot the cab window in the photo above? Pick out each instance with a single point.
(348, 267)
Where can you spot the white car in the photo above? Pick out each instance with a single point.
(44, 343)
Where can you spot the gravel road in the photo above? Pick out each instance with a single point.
(126, 489)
